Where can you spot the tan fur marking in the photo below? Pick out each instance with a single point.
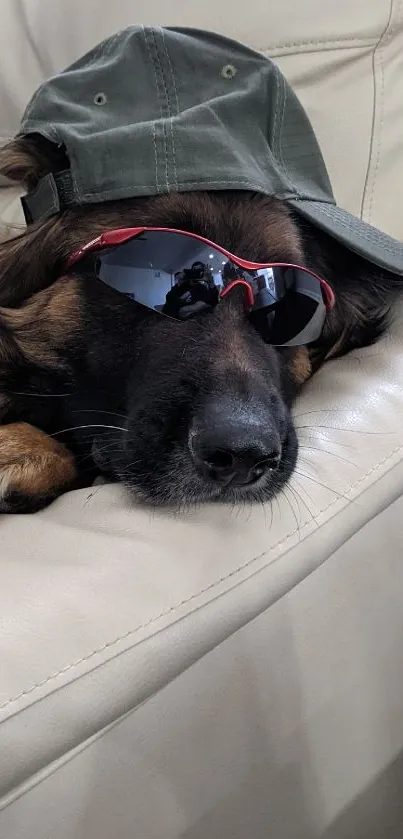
(301, 367)
(63, 310)
(232, 354)
(8, 350)
(236, 355)
(46, 322)
(33, 463)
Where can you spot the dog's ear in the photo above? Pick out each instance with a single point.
(25, 160)
(27, 259)
(364, 295)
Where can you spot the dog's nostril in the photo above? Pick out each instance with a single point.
(234, 442)
(219, 459)
(273, 460)
(258, 471)
(246, 465)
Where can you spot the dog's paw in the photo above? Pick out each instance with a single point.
(34, 468)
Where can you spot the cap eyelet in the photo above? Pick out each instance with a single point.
(100, 98)
(228, 71)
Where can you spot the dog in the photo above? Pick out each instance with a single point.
(189, 399)
(90, 382)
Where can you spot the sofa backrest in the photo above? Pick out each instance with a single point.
(344, 59)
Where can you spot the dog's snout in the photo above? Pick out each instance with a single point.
(235, 445)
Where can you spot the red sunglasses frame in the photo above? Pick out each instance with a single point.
(120, 235)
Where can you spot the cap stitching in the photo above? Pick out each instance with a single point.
(371, 237)
(31, 126)
(76, 185)
(155, 156)
(256, 185)
(164, 130)
(279, 123)
(161, 70)
(276, 133)
(172, 73)
(157, 182)
(167, 103)
(280, 130)
(30, 105)
(177, 107)
(276, 108)
(280, 136)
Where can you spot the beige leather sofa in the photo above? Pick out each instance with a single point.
(223, 674)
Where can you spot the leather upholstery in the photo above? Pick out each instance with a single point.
(223, 673)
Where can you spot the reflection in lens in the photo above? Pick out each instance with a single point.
(181, 276)
(231, 272)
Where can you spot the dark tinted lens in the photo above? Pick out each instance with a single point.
(168, 272)
(295, 320)
(298, 315)
(180, 276)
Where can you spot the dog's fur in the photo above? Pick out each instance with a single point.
(76, 355)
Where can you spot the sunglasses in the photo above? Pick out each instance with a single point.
(182, 275)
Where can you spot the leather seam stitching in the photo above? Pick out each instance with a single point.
(322, 43)
(371, 172)
(194, 596)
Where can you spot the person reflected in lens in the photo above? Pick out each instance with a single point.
(194, 291)
(261, 282)
(232, 272)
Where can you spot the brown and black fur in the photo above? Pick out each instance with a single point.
(76, 356)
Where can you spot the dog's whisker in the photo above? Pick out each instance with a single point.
(321, 484)
(98, 411)
(132, 463)
(40, 395)
(331, 454)
(108, 444)
(89, 456)
(283, 493)
(319, 437)
(320, 411)
(264, 506)
(298, 497)
(345, 430)
(294, 480)
(89, 425)
(296, 486)
(278, 505)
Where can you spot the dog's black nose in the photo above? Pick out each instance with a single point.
(235, 447)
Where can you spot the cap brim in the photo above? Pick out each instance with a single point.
(357, 235)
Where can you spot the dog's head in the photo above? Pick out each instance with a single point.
(203, 407)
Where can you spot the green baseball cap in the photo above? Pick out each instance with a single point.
(153, 110)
